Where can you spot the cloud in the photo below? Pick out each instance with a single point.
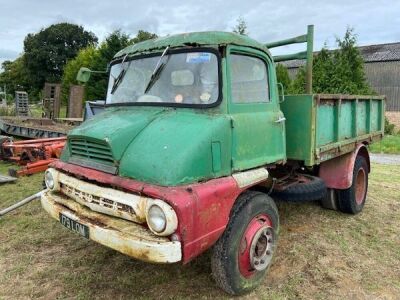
(374, 21)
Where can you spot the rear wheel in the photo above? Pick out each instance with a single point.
(352, 200)
(241, 257)
(330, 201)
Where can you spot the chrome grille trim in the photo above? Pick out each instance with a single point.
(103, 199)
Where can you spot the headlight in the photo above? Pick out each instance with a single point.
(161, 218)
(156, 218)
(49, 179)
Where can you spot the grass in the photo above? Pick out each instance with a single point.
(35, 111)
(322, 254)
(390, 144)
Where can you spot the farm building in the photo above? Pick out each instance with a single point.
(382, 69)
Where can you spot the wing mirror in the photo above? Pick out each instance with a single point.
(84, 74)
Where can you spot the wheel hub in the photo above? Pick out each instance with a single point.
(256, 246)
(261, 249)
(360, 186)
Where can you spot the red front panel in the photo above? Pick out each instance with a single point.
(203, 208)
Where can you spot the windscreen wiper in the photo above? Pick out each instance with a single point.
(120, 77)
(157, 71)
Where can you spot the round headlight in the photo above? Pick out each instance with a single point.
(156, 218)
(49, 180)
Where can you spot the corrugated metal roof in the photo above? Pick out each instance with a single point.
(371, 53)
(381, 52)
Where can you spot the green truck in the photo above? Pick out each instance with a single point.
(196, 141)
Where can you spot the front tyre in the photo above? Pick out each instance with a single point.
(243, 254)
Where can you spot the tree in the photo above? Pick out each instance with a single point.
(339, 71)
(14, 75)
(47, 51)
(86, 57)
(241, 26)
(97, 86)
(282, 76)
(143, 36)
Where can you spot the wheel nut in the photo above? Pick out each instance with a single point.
(262, 261)
(268, 252)
(256, 262)
(269, 240)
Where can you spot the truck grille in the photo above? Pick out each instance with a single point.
(102, 199)
(102, 204)
(95, 154)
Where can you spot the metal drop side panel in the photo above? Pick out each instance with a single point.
(321, 127)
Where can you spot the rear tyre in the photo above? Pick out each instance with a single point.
(330, 201)
(310, 188)
(243, 254)
(352, 200)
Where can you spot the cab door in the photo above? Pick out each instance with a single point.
(258, 125)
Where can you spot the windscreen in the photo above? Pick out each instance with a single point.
(180, 78)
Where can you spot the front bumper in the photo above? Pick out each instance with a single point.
(124, 236)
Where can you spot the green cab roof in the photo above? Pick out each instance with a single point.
(205, 38)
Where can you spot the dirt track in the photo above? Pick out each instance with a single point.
(385, 159)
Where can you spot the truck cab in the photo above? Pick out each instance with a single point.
(200, 115)
(192, 128)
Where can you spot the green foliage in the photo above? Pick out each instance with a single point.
(390, 144)
(47, 51)
(336, 72)
(282, 75)
(389, 127)
(143, 36)
(97, 85)
(97, 59)
(7, 111)
(241, 26)
(85, 57)
(14, 75)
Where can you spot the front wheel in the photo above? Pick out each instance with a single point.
(243, 254)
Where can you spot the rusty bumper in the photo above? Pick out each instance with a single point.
(124, 236)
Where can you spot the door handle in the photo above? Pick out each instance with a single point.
(280, 120)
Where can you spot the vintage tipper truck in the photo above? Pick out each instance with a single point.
(196, 142)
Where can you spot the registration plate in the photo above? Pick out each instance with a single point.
(74, 226)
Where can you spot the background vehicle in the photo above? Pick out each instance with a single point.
(193, 145)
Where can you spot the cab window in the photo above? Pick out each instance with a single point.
(249, 79)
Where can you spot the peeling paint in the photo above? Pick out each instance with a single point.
(124, 236)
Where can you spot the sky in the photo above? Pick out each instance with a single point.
(374, 22)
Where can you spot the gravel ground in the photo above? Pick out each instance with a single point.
(385, 159)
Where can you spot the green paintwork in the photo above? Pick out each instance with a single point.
(257, 139)
(321, 127)
(163, 146)
(307, 38)
(173, 146)
(83, 75)
(206, 38)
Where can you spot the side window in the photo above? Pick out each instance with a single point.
(249, 79)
